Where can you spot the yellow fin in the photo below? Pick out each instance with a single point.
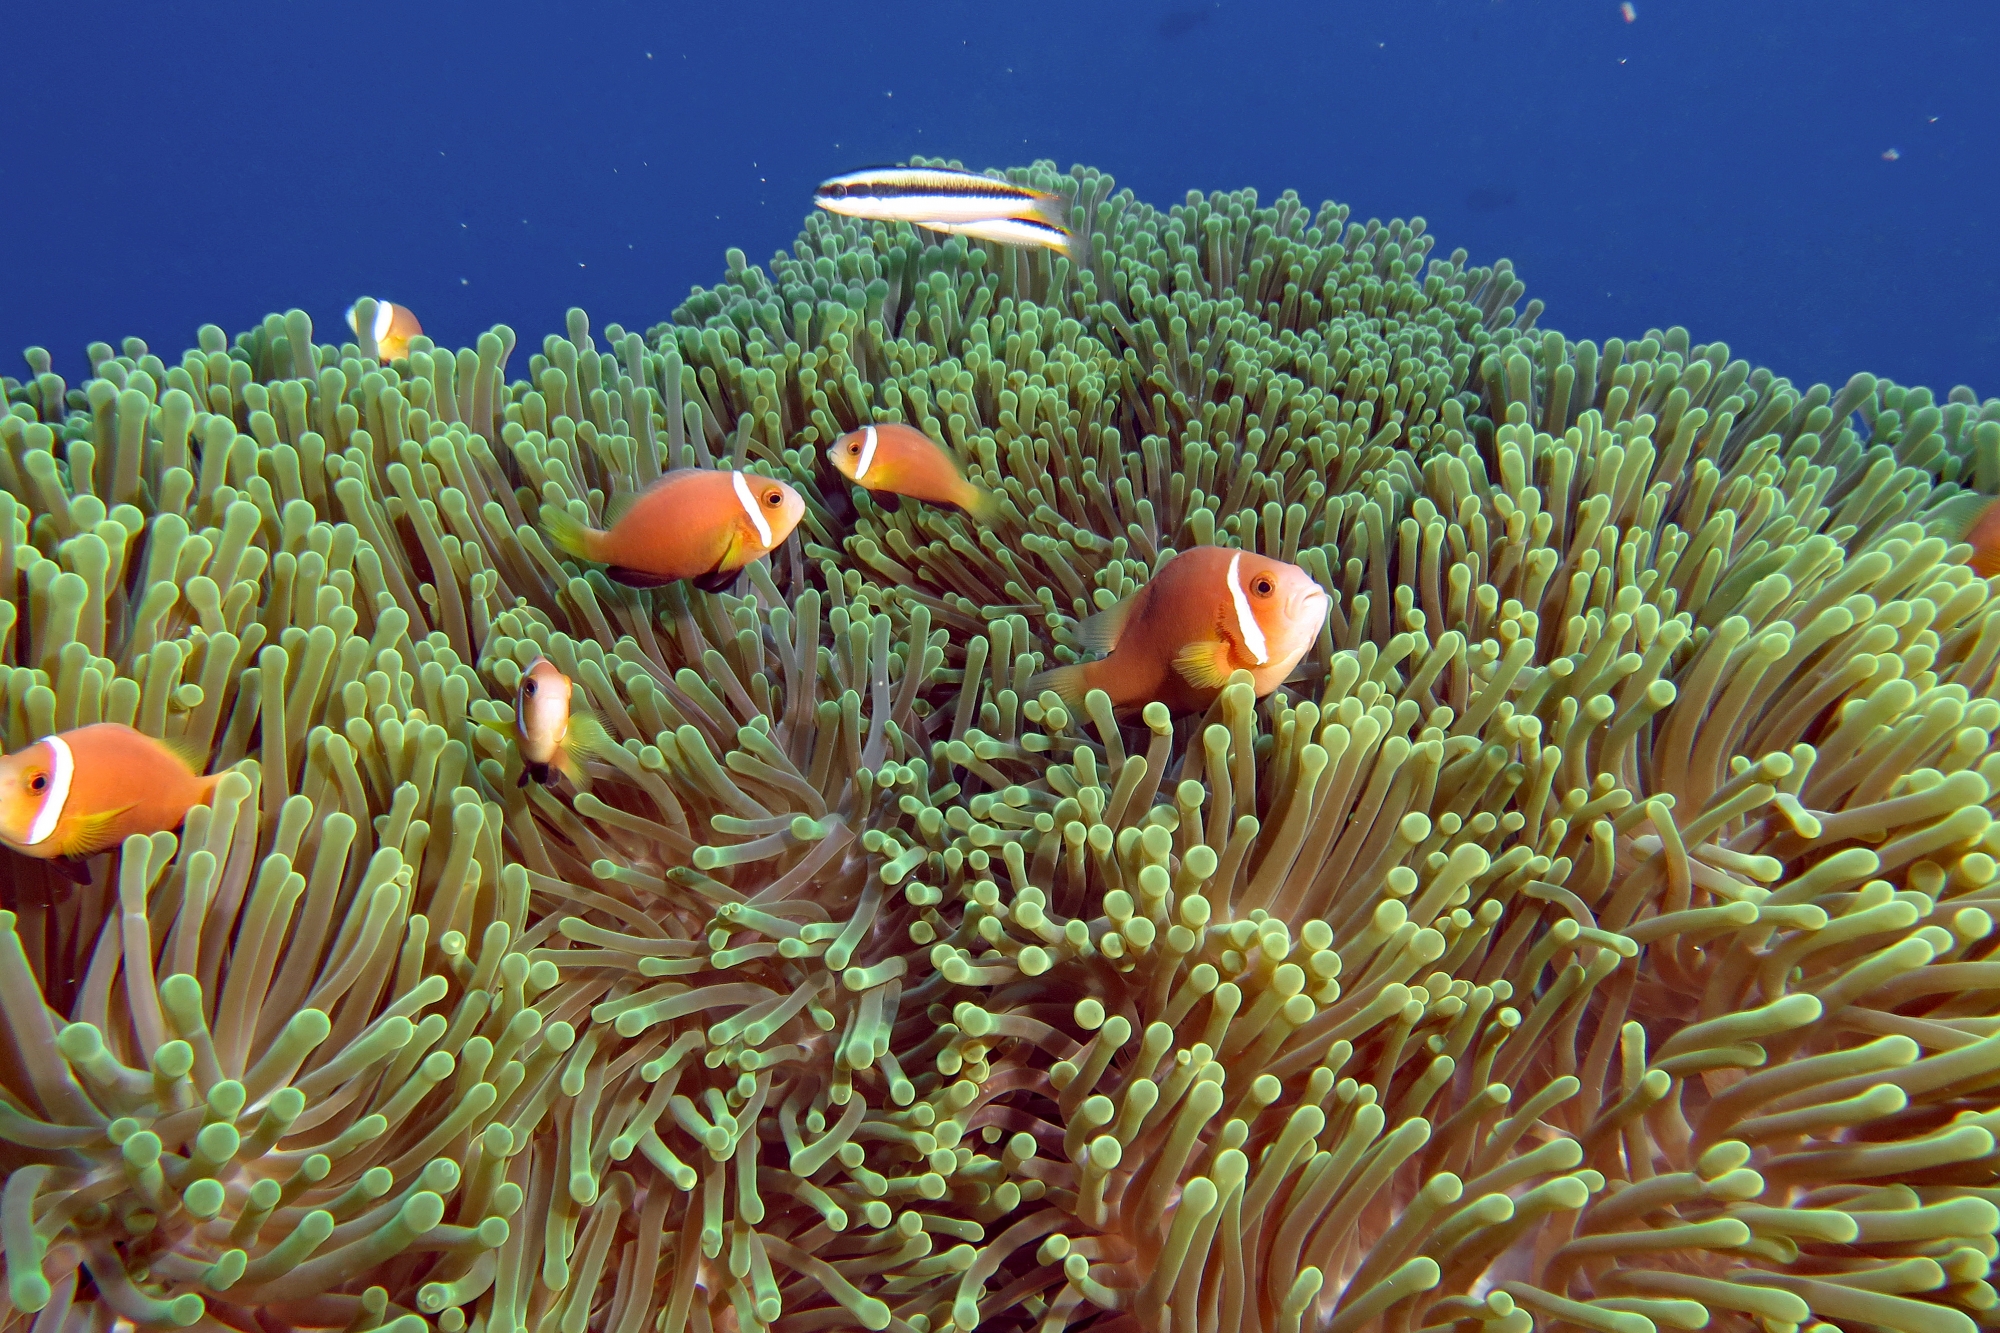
(985, 507)
(586, 736)
(1100, 633)
(1067, 682)
(498, 728)
(566, 532)
(1204, 665)
(90, 834)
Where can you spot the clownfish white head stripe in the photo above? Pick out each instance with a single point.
(749, 504)
(62, 768)
(385, 314)
(1246, 623)
(868, 442)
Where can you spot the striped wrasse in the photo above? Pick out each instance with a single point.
(958, 202)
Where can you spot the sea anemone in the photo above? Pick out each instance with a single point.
(1594, 933)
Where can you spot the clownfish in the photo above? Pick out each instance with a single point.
(1974, 519)
(1210, 611)
(893, 459)
(388, 334)
(699, 524)
(548, 731)
(75, 794)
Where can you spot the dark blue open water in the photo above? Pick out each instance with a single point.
(1716, 164)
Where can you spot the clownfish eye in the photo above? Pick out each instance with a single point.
(528, 689)
(773, 498)
(1261, 585)
(854, 446)
(38, 783)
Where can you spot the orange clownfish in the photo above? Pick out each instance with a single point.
(699, 524)
(78, 793)
(549, 733)
(1209, 612)
(894, 459)
(388, 333)
(1976, 519)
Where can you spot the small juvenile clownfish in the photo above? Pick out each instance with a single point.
(894, 459)
(1210, 611)
(388, 334)
(699, 524)
(75, 794)
(548, 731)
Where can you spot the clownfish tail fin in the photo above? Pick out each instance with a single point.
(568, 533)
(987, 508)
(1066, 682)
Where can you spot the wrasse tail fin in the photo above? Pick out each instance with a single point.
(1051, 208)
(90, 834)
(567, 532)
(1067, 682)
(1100, 633)
(1204, 665)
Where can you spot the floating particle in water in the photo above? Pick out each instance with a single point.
(1631, 14)
(1891, 154)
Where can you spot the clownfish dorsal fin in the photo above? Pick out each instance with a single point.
(1955, 518)
(1205, 664)
(1100, 633)
(187, 751)
(617, 506)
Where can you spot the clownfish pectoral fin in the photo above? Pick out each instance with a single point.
(497, 728)
(586, 737)
(1066, 682)
(1100, 633)
(88, 835)
(717, 580)
(1204, 665)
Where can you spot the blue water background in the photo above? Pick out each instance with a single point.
(1716, 163)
